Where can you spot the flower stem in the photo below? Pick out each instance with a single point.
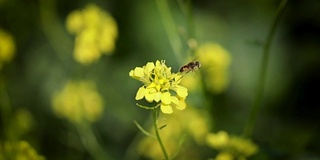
(5, 108)
(143, 130)
(155, 118)
(90, 142)
(263, 71)
(53, 29)
(171, 29)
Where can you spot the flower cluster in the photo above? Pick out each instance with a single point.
(18, 150)
(231, 147)
(160, 85)
(215, 64)
(95, 30)
(78, 101)
(21, 122)
(7, 47)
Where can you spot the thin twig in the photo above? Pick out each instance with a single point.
(143, 130)
(263, 71)
(171, 29)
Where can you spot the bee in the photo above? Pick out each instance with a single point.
(191, 66)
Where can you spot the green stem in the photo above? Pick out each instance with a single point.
(143, 130)
(190, 19)
(171, 29)
(155, 118)
(5, 108)
(53, 29)
(263, 71)
(186, 7)
(90, 142)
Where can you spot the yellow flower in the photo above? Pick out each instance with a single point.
(215, 64)
(219, 140)
(19, 150)
(224, 156)
(245, 146)
(231, 146)
(78, 101)
(197, 124)
(96, 32)
(21, 123)
(160, 85)
(7, 47)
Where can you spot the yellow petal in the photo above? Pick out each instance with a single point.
(182, 105)
(150, 94)
(131, 73)
(181, 91)
(157, 97)
(166, 98)
(158, 87)
(149, 67)
(152, 86)
(167, 109)
(140, 94)
(157, 63)
(138, 72)
(175, 100)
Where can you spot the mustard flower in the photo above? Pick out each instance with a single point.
(215, 65)
(7, 47)
(78, 101)
(160, 85)
(231, 146)
(20, 150)
(96, 32)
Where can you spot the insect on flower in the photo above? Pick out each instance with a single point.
(191, 66)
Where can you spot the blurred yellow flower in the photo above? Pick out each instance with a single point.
(78, 101)
(245, 146)
(96, 32)
(7, 47)
(218, 140)
(18, 151)
(215, 62)
(231, 146)
(191, 122)
(158, 86)
(20, 123)
(224, 156)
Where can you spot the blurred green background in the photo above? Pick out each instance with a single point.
(287, 126)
